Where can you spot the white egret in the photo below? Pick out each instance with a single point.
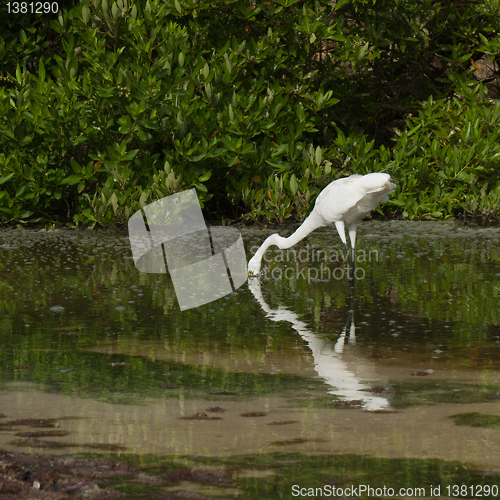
(343, 202)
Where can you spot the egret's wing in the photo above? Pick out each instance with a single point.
(386, 195)
(338, 197)
(343, 194)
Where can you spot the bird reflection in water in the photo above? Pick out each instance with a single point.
(327, 354)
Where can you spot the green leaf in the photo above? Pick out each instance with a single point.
(41, 70)
(267, 126)
(85, 14)
(205, 176)
(125, 129)
(27, 139)
(76, 167)
(130, 155)
(201, 187)
(413, 130)
(150, 124)
(279, 150)
(293, 184)
(340, 3)
(364, 49)
(318, 156)
(143, 198)
(18, 75)
(197, 157)
(399, 203)
(218, 152)
(5, 178)
(22, 37)
(114, 202)
(72, 179)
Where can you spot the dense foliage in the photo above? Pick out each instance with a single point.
(106, 106)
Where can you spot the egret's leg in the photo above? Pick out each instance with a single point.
(352, 236)
(341, 230)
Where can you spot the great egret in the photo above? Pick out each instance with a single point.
(343, 202)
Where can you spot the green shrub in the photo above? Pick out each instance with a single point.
(111, 104)
(452, 153)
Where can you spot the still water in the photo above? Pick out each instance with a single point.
(293, 379)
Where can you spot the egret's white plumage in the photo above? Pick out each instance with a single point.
(343, 202)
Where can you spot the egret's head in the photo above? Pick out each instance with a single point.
(254, 266)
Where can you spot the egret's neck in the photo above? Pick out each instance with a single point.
(310, 224)
(313, 221)
(269, 242)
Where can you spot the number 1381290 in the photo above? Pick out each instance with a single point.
(33, 8)
(474, 491)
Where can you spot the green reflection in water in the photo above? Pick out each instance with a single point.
(428, 288)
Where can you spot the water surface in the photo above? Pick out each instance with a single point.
(290, 367)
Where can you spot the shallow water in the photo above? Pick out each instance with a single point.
(292, 373)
